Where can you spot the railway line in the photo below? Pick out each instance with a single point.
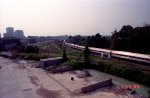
(134, 65)
(134, 60)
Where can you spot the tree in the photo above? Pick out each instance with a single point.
(65, 58)
(98, 41)
(78, 39)
(131, 39)
(114, 40)
(126, 36)
(86, 55)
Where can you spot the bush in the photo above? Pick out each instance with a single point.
(29, 49)
(21, 55)
(28, 57)
(33, 56)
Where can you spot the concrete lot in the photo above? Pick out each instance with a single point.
(20, 80)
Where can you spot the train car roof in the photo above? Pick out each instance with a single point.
(100, 49)
(131, 53)
(115, 51)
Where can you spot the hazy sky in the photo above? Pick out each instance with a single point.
(72, 17)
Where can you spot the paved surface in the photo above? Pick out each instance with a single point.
(21, 80)
(14, 82)
(17, 81)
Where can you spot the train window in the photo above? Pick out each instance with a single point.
(134, 57)
(126, 55)
(146, 59)
(131, 56)
(118, 54)
(139, 58)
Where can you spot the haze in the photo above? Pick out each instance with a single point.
(72, 17)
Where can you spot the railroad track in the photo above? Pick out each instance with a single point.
(134, 65)
(129, 64)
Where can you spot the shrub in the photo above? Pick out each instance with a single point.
(33, 56)
(29, 49)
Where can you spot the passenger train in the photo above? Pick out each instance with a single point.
(144, 58)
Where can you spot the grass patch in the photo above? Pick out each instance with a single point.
(76, 65)
(49, 48)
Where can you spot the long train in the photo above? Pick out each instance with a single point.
(106, 53)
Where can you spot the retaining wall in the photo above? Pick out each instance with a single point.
(50, 62)
(96, 86)
(62, 69)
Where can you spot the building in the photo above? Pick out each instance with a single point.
(9, 43)
(19, 34)
(9, 32)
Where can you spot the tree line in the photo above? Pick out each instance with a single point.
(131, 39)
(97, 40)
(127, 39)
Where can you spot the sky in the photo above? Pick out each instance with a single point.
(72, 17)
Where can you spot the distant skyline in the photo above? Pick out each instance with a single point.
(72, 17)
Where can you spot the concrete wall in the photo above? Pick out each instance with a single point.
(96, 86)
(51, 62)
(63, 69)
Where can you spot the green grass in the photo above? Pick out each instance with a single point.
(46, 50)
(73, 54)
(53, 50)
(49, 48)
